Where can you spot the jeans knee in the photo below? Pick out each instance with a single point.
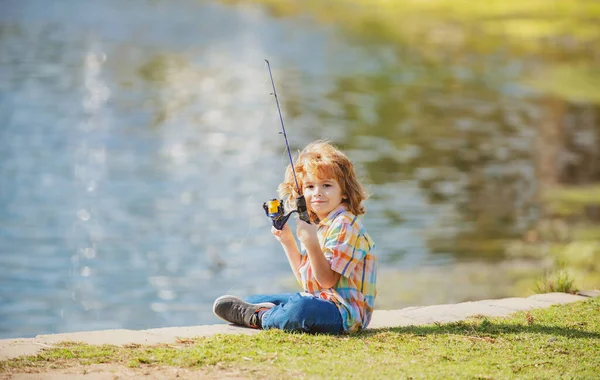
(311, 313)
(309, 305)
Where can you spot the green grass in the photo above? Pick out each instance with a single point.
(557, 281)
(557, 342)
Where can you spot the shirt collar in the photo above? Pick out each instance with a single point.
(332, 215)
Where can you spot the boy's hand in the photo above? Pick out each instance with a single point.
(284, 236)
(307, 233)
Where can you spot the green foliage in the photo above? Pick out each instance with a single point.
(571, 81)
(440, 108)
(562, 33)
(573, 200)
(447, 22)
(557, 281)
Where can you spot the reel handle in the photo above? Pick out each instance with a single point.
(302, 210)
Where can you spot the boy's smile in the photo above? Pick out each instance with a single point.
(322, 195)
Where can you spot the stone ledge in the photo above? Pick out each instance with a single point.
(589, 293)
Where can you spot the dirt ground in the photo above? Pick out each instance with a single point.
(118, 371)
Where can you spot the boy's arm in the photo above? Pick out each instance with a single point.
(286, 238)
(307, 234)
(294, 257)
(321, 267)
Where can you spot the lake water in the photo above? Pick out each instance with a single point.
(139, 139)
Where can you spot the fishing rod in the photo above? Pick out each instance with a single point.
(274, 207)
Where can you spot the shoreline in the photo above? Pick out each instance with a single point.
(409, 316)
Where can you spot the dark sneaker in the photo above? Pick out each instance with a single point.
(239, 312)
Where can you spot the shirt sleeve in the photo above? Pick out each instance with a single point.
(342, 245)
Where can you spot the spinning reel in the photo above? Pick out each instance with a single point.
(275, 210)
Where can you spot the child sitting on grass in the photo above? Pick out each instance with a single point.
(336, 264)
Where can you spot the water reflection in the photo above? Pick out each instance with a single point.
(135, 156)
(129, 200)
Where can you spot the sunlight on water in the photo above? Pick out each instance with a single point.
(140, 139)
(151, 165)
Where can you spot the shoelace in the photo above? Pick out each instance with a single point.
(255, 319)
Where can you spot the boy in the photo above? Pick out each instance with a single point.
(336, 267)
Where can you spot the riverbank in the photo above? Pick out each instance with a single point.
(383, 320)
(410, 316)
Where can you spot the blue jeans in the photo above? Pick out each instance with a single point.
(302, 313)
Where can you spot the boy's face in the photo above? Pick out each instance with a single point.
(322, 195)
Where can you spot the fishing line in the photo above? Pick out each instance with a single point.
(274, 208)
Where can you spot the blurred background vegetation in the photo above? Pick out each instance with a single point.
(457, 53)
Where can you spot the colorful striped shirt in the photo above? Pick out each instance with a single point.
(350, 252)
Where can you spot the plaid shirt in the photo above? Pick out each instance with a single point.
(350, 252)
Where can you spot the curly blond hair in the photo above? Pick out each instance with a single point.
(321, 159)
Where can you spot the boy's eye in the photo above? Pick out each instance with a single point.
(327, 185)
(309, 186)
